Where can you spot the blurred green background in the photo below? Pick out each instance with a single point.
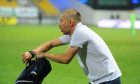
(15, 40)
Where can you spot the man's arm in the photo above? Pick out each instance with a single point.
(48, 45)
(42, 48)
(61, 58)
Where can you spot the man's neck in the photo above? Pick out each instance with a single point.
(73, 28)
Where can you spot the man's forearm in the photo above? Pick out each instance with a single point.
(48, 45)
(43, 47)
(61, 58)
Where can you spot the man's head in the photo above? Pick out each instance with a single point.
(68, 20)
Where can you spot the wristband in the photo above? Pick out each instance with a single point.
(32, 53)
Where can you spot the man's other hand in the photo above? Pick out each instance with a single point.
(26, 56)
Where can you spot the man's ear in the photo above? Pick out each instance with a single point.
(72, 22)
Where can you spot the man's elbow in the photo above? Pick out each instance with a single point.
(66, 61)
(67, 58)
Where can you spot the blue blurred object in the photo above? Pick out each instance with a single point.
(83, 1)
(61, 5)
(135, 1)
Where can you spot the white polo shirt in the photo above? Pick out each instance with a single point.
(94, 55)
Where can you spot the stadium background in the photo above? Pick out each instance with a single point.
(25, 24)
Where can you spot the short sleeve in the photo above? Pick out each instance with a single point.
(79, 39)
(65, 39)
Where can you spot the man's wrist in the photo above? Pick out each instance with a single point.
(32, 53)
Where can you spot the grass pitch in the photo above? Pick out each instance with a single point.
(14, 40)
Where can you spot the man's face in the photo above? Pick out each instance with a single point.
(64, 25)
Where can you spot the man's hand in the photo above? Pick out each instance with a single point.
(26, 57)
(39, 55)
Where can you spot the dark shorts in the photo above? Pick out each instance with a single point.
(115, 81)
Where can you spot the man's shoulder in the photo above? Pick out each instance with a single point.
(82, 30)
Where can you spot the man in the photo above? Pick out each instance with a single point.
(133, 18)
(92, 53)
